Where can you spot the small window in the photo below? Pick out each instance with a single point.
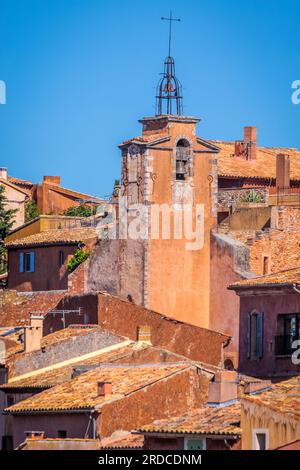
(266, 265)
(61, 258)
(260, 439)
(10, 401)
(288, 331)
(26, 262)
(255, 335)
(194, 444)
(62, 434)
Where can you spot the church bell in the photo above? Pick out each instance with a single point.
(180, 168)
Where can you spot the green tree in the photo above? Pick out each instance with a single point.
(31, 211)
(7, 217)
(80, 211)
(79, 257)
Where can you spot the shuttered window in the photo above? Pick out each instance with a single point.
(27, 262)
(255, 335)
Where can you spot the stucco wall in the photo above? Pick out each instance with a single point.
(75, 424)
(281, 428)
(47, 275)
(272, 305)
(226, 260)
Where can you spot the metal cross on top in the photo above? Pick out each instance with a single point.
(170, 19)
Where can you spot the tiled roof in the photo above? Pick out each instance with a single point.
(81, 392)
(123, 440)
(147, 138)
(55, 376)
(288, 277)
(263, 167)
(206, 420)
(20, 182)
(284, 397)
(47, 443)
(55, 237)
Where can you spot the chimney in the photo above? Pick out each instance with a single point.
(52, 180)
(33, 334)
(223, 391)
(282, 171)
(104, 389)
(250, 141)
(35, 434)
(3, 173)
(144, 334)
(259, 386)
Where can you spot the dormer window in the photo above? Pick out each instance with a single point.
(183, 154)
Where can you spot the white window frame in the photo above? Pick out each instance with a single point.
(254, 437)
(186, 439)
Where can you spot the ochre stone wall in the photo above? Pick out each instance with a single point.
(168, 397)
(123, 318)
(281, 428)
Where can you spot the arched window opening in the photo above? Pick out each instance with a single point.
(183, 154)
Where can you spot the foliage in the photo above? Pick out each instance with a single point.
(252, 197)
(79, 257)
(31, 211)
(80, 211)
(6, 223)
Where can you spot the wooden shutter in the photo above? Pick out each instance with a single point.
(249, 336)
(32, 255)
(21, 263)
(260, 334)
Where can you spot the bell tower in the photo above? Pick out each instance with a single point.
(171, 172)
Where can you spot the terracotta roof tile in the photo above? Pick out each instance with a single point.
(287, 277)
(81, 392)
(148, 138)
(56, 376)
(263, 167)
(55, 237)
(206, 420)
(284, 397)
(20, 182)
(123, 440)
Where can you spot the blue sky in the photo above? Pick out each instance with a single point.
(80, 73)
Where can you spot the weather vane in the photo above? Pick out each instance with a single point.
(170, 19)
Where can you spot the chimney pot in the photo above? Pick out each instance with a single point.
(144, 334)
(35, 434)
(104, 389)
(282, 171)
(223, 391)
(3, 173)
(52, 180)
(33, 333)
(250, 141)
